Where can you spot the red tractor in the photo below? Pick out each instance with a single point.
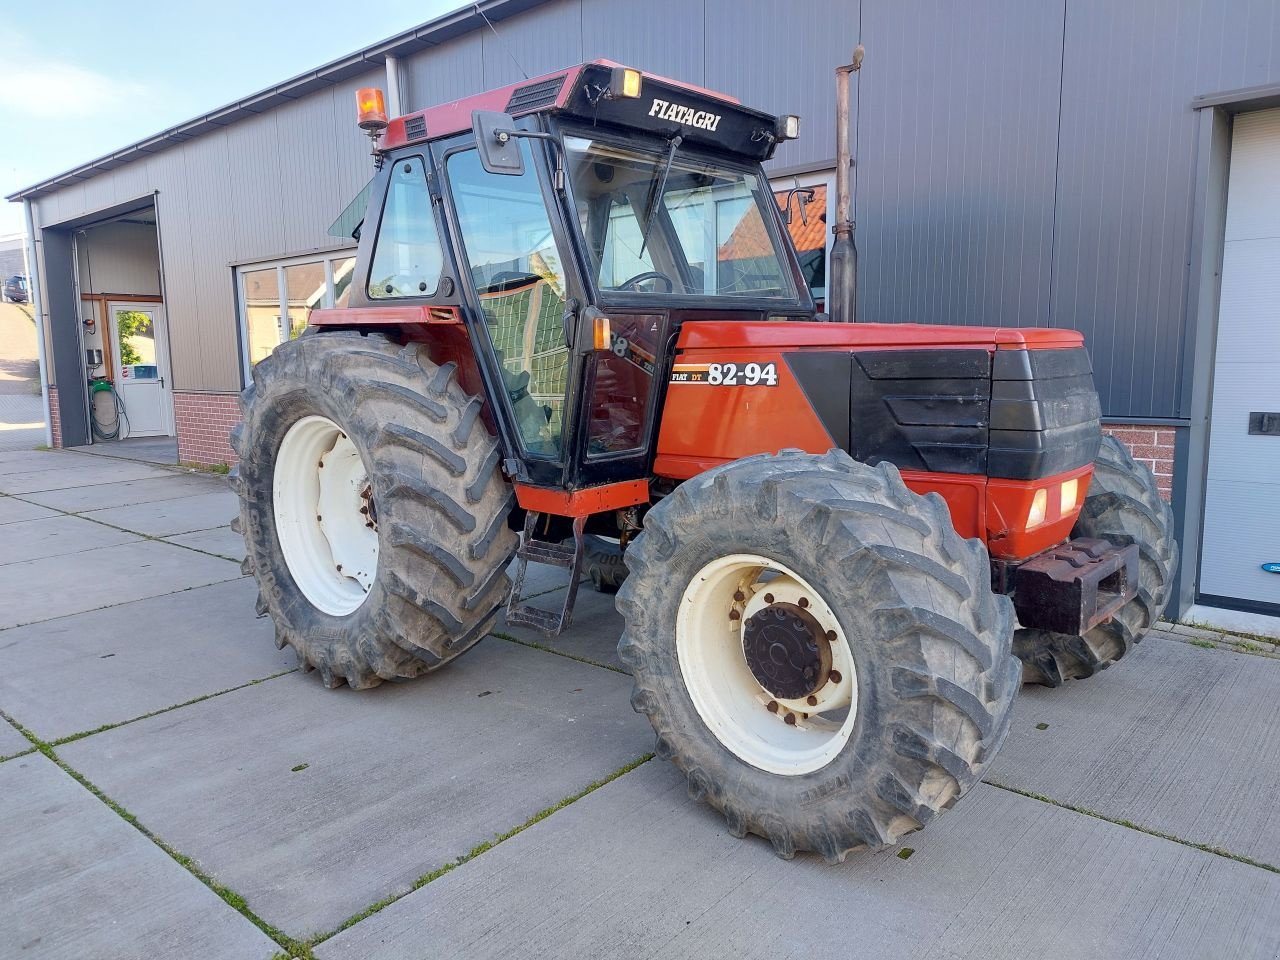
(578, 334)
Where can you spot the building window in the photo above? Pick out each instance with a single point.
(277, 297)
(805, 199)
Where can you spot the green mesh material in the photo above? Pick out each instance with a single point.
(508, 316)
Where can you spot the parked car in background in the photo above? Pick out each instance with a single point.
(15, 289)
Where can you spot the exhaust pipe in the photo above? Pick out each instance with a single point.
(843, 283)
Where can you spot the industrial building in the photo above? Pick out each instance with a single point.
(1074, 163)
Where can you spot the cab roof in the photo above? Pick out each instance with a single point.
(665, 107)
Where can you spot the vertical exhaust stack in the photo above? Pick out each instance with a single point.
(843, 283)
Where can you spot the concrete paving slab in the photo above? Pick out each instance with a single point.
(55, 536)
(593, 635)
(151, 449)
(1174, 738)
(23, 461)
(400, 779)
(78, 673)
(86, 472)
(637, 870)
(11, 741)
(167, 517)
(58, 586)
(13, 510)
(77, 881)
(103, 495)
(221, 541)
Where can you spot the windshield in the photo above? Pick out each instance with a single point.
(706, 234)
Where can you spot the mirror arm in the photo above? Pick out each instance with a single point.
(556, 148)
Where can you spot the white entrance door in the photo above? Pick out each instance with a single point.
(140, 355)
(1242, 505)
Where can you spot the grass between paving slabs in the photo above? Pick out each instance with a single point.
(137, 533)
(71, 738)
(477, 850)
(1203, 847)
(559, 653)
(232, 899)
(293, 949)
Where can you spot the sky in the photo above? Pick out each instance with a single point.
(80, 79)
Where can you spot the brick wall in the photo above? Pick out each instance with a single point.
(1151, 445)
(55, 417)
(203, 421)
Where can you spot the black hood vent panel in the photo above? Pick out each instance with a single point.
(534, 96)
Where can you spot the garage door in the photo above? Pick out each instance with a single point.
(1242, 508)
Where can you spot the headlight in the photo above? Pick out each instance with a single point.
(1039, 506)
(1070, 489)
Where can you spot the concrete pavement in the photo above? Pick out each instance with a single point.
(174, 787)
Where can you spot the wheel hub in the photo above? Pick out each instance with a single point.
(326, 518)
(787, 651)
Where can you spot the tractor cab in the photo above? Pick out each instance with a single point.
(570, 225)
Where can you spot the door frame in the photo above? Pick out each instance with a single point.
(109, 302)
(1215, 113)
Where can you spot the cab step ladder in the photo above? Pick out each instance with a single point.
(568, 555)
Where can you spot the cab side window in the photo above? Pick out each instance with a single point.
(406, 256)
(518, 274)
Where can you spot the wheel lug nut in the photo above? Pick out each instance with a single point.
(812, 700)
(831, 636)
(802, 602)
(790, 719)
(734, 615)
(835, 676)
(772, 706)
(739, 596)
(768, 598)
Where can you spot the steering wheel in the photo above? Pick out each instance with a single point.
(647, 275)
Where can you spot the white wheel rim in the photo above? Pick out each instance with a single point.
(728, 697)
(324, 515)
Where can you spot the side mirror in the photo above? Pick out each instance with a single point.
(497, 144)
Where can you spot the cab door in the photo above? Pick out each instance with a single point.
(520, 283)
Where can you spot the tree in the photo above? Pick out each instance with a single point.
(131, 323)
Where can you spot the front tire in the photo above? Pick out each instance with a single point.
(393, 562)
(876, 575)
(1123, 505)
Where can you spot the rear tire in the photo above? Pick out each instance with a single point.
(1124, 506)
(907, 599)
(439, 508)
(603, 564)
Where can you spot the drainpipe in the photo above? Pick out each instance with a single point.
(37, 303)
(393, 87)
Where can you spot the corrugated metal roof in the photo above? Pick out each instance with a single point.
(429, 34)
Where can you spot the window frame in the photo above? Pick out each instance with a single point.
(820, 178)
(328, 259)
(381, 190)
(798, 302)
(535, 466)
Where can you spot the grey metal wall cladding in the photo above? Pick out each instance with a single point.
(264, 187)
(1020, 162)
(957, 133)
(1126, 174)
